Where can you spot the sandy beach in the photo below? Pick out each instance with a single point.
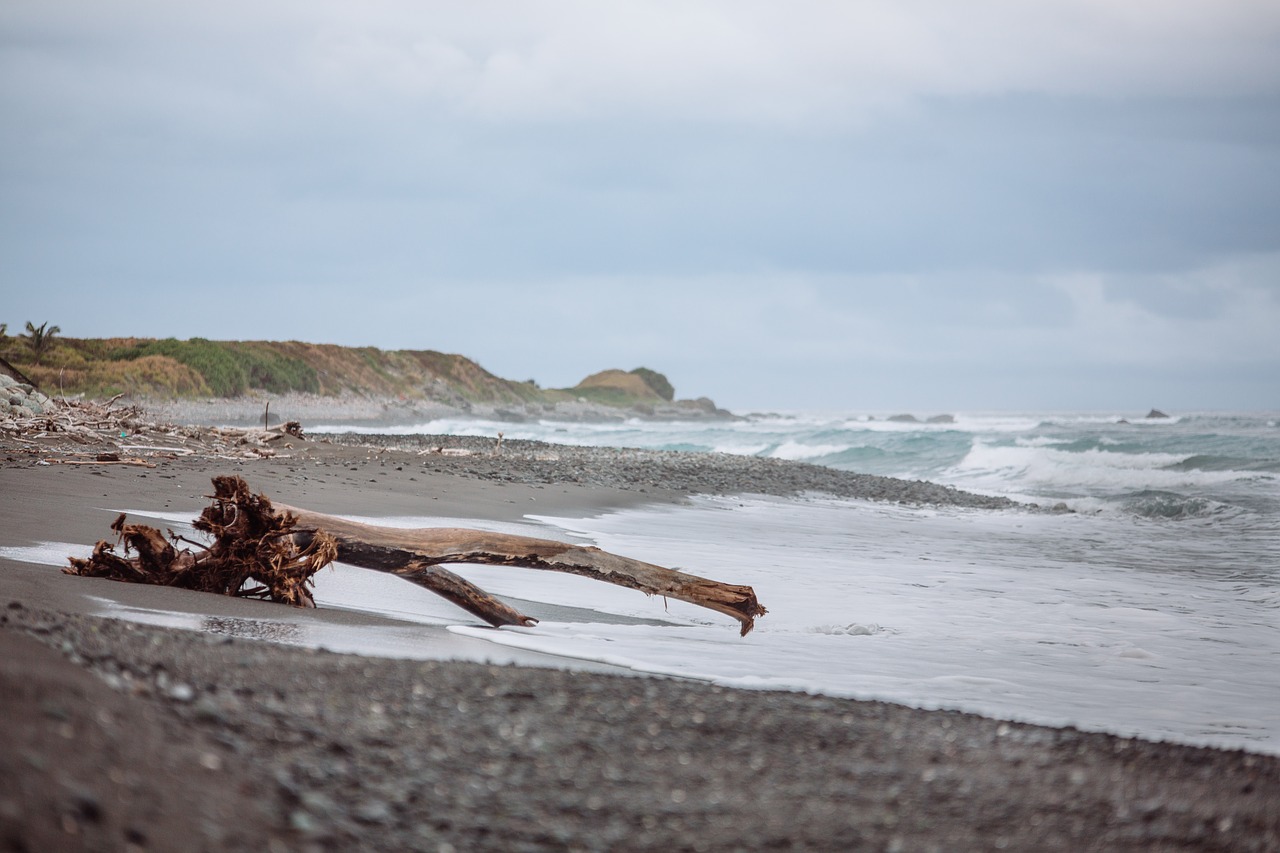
(126, 736)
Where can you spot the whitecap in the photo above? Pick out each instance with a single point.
(1035, 467)
(794, 450)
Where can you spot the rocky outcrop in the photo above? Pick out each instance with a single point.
(1156, 414)
(659, 383)
(912, 419)
(619, 382)
(641, 392)
(20, 400)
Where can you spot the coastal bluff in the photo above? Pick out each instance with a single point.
(235, 381)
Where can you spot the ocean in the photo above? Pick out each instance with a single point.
(1175, 467)
(1151, 609)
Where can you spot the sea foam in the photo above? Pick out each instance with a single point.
(1051, 619)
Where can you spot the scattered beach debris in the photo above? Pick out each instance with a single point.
(268, 551)
(83, 421)
(259, 437)
(87, 432)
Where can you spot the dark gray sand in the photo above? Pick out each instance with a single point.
(125, 737)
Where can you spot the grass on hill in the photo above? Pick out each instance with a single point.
(171, 369)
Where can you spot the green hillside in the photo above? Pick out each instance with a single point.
(180, 369)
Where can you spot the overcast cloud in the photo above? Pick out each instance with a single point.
(861, 205)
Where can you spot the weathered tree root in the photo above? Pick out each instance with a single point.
(264, 553)
(253, 554)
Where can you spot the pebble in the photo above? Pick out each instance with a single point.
(182, 692)
(374, 811)
(208, 710)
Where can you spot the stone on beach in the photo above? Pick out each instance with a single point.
(21, 400)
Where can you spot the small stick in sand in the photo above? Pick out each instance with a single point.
(103, 459)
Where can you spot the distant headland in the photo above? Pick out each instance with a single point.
(234, 380)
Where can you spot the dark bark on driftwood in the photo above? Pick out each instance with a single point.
(264, 551)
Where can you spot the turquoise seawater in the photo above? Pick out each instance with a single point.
(1187, 465)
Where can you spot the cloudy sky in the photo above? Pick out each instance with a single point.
(869, 205)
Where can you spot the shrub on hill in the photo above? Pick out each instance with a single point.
(230, 370)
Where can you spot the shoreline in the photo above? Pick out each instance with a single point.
(359, 409)
(119, 731)
(220, 743)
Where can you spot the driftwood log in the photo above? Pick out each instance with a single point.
(265, 551)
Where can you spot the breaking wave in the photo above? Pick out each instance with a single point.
(1181, 467)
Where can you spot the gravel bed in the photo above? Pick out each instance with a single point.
(523, 461)
(318, 751)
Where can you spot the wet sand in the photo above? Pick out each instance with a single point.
(126, 736)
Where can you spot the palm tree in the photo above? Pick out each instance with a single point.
(41, 338)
